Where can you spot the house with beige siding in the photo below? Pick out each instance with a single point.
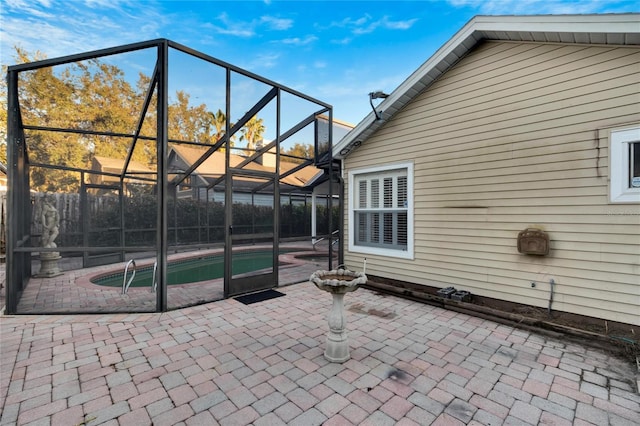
(518, 126)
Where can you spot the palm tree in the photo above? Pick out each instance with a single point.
(219, 122)
(252, 131)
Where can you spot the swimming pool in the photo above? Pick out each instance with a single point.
(193, 269)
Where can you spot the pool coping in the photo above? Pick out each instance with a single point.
(287, 260)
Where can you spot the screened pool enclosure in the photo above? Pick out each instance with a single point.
(134, 169)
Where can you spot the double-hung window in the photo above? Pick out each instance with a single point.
(624, 153)
(381, 211)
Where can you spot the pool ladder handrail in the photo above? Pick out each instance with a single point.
(154, 281)
(125, 283)
(333, 243)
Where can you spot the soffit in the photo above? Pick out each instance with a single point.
(622, 29)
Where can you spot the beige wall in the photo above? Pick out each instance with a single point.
(516, 136)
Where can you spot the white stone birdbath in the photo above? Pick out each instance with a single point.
(338, 283)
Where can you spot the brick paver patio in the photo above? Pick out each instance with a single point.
(73, 291)
(233, 364)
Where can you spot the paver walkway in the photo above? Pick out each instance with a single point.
(73, 291)
(233, 364)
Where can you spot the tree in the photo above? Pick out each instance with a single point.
(45, 97)
(190, 123)
(300, 150)
(219, 122)
(252, 132)
(108, 103)
(94, 96)
(88, 95)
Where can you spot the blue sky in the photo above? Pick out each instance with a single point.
(335, 51)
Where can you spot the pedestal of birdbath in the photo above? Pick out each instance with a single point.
(338, 283)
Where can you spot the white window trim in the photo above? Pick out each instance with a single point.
(619, 191)
(403, 254)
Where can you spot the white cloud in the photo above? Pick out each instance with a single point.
(226, 25)
(62, 28)
(399, 25)
(385, 23)
(297, 41)
(366, 24)
(30, 8)
(279, 24)
(350, 22)
(232, 27)
(342, 41)
(538, 7)
(263, 61)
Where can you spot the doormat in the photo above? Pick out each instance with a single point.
(260, 296)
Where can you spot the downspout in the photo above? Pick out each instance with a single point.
(330, 206)
(313, 218)
(551, 284)
(342, 216)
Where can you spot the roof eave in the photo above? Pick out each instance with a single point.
(597, 29)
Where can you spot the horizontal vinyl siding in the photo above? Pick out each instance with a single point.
(514, 136)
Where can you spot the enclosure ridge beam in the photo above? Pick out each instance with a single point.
(87, 55)
(253, 111)
(246, 73)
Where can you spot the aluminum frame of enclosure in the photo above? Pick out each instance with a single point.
(19, 249)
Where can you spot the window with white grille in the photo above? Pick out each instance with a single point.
(624, 166)
(380, 210)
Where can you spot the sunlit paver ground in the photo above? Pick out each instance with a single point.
(73, 291)
(233, 364)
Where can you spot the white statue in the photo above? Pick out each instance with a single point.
(50, 229)
(50, 222)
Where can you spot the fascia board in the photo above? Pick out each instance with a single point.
(370, 122)
(511, 27)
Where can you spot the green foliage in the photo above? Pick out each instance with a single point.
(189, 123)
(219, 123)
(322, 219)
(300, 150)
(295, 220)
(88, 95)
(252, 132)
(95, 96)
(140, 215)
